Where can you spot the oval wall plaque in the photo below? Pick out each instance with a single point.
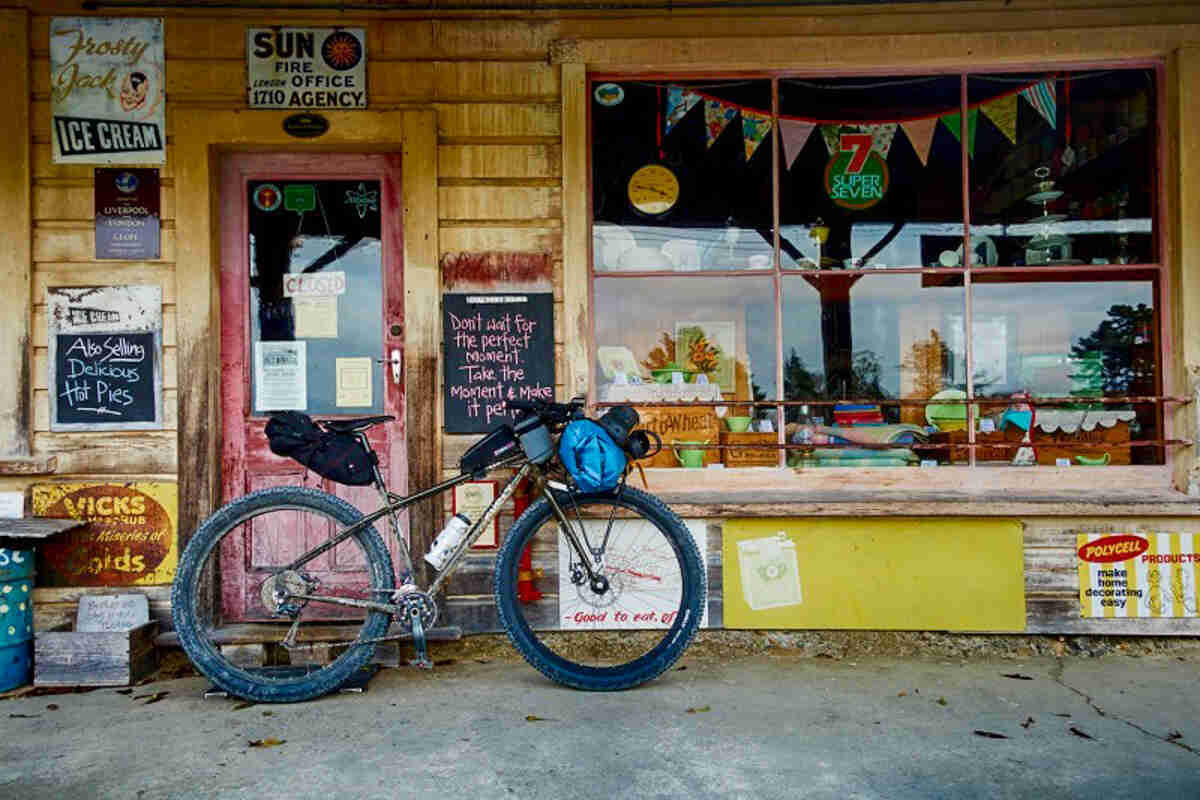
(305, 126)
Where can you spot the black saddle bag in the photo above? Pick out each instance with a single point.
(339, 457)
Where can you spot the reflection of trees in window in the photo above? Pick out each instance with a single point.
(861, 382)
(930, 362)
(1117, 358)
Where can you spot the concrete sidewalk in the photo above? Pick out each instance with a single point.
(758, 726)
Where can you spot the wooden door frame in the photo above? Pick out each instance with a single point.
(200, 137)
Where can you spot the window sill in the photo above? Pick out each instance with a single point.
(942, 491)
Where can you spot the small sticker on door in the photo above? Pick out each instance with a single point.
(315, 317)
(353, 376)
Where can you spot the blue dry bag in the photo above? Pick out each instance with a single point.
(591, 456)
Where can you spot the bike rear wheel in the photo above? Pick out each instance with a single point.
(640, 619)
(233, 569)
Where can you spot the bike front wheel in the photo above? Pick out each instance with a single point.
(639, 618)
(234, 586)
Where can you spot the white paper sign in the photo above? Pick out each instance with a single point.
(315, 317)
(280, 376)
(107, 90)
(353, 381)
(12, 505)
(307, 68)
(314, 284)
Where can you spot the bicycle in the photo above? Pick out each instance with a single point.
(624, 551)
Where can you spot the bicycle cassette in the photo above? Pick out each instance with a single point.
(276, 590)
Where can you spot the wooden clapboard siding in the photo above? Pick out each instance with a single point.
(75, 199)
(485, 160)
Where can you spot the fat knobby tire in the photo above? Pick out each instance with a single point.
(204, 655)
(610, 678)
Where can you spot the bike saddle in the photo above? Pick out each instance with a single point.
(353, 425)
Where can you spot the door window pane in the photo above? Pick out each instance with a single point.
(316, 296)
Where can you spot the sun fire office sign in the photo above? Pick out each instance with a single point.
(307, 68)
(107, 94)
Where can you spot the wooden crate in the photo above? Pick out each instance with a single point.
(957, 453)
(64, 657)
(739, 457)
(1048, 453)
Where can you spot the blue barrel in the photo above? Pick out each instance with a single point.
(16, 618)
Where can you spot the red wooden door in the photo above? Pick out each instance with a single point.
(312, 307)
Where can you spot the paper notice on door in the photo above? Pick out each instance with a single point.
(315, 317)
(353, 381)
(770, 574)
(280, 372)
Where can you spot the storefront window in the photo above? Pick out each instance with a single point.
(858, 307)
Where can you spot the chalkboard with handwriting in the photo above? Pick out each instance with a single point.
(104, 377)
(498, 347)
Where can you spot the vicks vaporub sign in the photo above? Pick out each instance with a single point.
(107, 93)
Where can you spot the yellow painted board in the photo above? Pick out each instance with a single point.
(130, 539)
(880, 574)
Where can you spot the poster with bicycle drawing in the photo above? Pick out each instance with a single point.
(643, 576)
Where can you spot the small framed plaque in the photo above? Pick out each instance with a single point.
(471, 499)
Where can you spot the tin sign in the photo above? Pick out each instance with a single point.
(306, 68)
(127, 213)
(107, 96)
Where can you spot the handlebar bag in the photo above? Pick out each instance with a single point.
(591, 456)
(339, 457)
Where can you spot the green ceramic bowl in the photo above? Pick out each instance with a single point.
(738, 424)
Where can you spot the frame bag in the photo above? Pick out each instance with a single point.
(340, 457)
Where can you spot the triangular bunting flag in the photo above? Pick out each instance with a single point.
(795, 133)
(679, 103)
(920, 135)
(881, 136)
(755, 126)
(1042, 97)
(717, 116)
(1003, 113)
(832, 135)
(954, 123)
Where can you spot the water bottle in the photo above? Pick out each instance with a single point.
(447, 541)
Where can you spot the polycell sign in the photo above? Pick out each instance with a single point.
(1128, 575)
(130, 539)
(307, 68)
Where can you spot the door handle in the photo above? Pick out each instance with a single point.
(397, 364)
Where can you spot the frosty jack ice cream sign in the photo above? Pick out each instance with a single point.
(107, 90)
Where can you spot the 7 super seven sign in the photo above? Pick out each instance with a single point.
(856, 176)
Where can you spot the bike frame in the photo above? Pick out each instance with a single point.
(394, 503)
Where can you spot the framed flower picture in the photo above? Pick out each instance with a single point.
(708, 349)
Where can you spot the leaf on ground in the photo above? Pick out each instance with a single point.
(699, 709)
(269, 742)
(483, 661)
(681, 669)
(23, 716)
(1016, 676)
(1062, 715)
(990, 734)
(1028, 721)
(239, 705)
(1174, 736)
(267, 713)
(124, 691)
(154, 698)
(536, 718)
(52, 707)
(445, 662)
(1081, 734)
(901, 694)
(941, 701)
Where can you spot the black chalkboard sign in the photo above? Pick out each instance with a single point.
(104, 378)
(498, 347)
